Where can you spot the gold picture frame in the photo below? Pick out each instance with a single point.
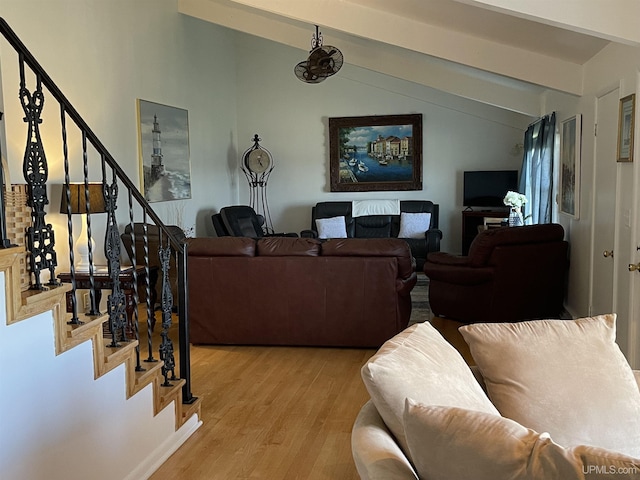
(375, 153)
(625, 128)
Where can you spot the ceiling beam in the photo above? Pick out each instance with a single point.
(360, 51)
(613, 20)
(358, 20)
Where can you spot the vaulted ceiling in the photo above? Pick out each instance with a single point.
(502, 52)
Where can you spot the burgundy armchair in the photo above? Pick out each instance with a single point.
(510, 274)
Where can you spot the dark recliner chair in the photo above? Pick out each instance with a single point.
(383, 226)
(218, 225)
(511, 274)
(242, 221)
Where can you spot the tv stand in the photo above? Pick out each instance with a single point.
(473, 219)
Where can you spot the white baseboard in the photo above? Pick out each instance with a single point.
(160, 455)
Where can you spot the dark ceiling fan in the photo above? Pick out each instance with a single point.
(323, 61)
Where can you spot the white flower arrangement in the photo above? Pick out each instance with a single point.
(514, 199)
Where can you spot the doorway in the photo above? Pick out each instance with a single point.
(611, 233)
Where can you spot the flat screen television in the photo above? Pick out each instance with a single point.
(487, 188)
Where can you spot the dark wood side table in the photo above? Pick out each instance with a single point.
(102, 281)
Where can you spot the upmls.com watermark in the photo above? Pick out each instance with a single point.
(611, 469)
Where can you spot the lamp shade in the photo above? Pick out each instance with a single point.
(78, 198)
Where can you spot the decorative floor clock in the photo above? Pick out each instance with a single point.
(257, 165)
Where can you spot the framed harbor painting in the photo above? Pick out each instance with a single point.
(570, 142)
(382, 152)
(163, 139)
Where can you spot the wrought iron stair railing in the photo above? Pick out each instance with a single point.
(40, 237)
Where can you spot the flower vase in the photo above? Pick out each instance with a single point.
(515, 217)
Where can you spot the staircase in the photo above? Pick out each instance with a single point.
(58, 420)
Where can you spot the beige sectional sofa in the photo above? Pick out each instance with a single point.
(549, 400)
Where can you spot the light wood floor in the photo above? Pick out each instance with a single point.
(276, 413)
(272, 413)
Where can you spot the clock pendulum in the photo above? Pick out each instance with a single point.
(257, 165)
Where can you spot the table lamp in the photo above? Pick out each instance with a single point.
(78, 205)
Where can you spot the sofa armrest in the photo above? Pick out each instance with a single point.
(376, 454)
(444, 258)
(433, 237)
(458, 274)
(406, 284)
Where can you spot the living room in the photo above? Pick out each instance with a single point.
(105, 55)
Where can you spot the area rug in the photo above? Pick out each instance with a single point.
(420, 312)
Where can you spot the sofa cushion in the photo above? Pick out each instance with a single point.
(414, 225)
(333, 227)
(373, 226)
(565, 377)
(222, 247)
(372, 247)
(287, 247)
(419, 363)
(453, 443)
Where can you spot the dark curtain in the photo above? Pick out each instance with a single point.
(536, 176)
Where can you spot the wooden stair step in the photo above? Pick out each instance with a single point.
(31, 297)
(187, 410)
(140, 379)
(106, 358)
(166, 395)
(87, 328)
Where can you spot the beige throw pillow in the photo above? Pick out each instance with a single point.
(565, 377)
(419, 363)
(453, 443)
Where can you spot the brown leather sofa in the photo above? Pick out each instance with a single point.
(298, 291)
(510, 274)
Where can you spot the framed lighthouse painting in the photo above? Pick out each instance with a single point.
(163, 143)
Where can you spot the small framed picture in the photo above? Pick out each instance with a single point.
(625, 128)
(570, 141)
(165, 166)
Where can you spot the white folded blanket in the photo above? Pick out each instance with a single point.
(361, 208)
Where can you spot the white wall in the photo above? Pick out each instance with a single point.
(291, 117)
(616, 66)
(106, 54)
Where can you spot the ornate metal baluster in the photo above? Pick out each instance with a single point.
(136, 298)
(4, 239)
(166, 345)
(150, 308)
(67, 191)
(116, 302)
(95, 307)
(40, 236)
